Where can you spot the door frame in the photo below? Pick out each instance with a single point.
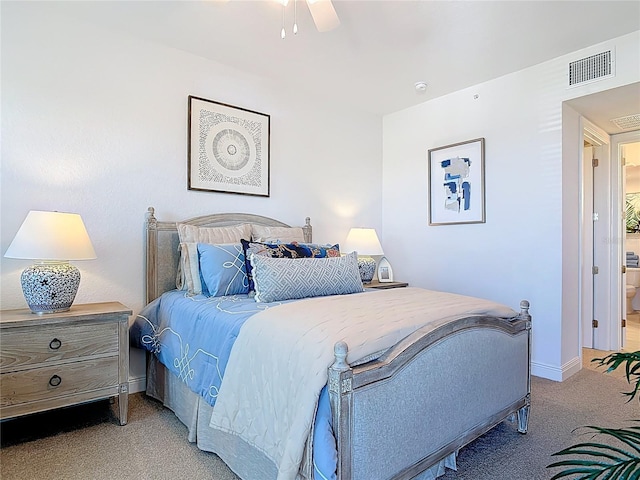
(619, 234)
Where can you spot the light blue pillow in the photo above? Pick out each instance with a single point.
(279, 279)
(222, 268)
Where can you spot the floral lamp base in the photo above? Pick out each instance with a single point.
(50, 287)
(367, 267)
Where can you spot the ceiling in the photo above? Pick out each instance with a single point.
(381, 48)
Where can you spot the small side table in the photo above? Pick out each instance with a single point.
(385, 285)
(61, 359)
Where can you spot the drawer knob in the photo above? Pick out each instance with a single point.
(55, 344)
(55, 381)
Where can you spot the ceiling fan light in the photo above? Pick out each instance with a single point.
(324, 15)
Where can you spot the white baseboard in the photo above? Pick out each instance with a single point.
(137, 384)
(553, 372)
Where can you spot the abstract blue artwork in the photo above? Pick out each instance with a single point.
(456, 183)
(457, 188)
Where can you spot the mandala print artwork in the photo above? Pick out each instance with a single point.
(228, 148)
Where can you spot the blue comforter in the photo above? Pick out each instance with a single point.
(193, 336)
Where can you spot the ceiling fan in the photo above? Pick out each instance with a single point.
(322, 11)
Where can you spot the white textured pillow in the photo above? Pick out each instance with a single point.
(279, 279)
(213, 235)
(188, 277)
(261, 233)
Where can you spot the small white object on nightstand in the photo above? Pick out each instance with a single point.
(385, 272)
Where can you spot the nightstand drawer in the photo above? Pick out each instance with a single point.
(52, 343)
(50, 382)
(64, 358)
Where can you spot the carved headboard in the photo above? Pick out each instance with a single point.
(163, 254)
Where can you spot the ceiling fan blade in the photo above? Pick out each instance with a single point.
(324, 15)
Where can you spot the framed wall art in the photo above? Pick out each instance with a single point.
(456, 183)
(228, 148)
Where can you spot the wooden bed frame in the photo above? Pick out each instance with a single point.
(432, 393)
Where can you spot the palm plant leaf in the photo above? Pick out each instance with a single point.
(603, 461)
(631, 361)
(594, 460)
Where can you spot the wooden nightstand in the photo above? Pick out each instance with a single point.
(61, 359)
(385, 285)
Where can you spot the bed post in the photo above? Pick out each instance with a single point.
(340, 388)
(523, 413)
(151, 282)
(307, 230)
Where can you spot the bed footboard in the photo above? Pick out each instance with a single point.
(430, 395)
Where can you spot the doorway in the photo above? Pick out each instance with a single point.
(611, 168)
(600, 109)
(627, 148)
(600, 317)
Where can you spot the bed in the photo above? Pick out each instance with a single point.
(391, 384)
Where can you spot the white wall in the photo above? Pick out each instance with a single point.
(532, 199)
(95, 122)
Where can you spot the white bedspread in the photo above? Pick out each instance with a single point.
(279, 362)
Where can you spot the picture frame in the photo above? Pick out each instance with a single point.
(385, 272)
(228, 148)
(456, 183)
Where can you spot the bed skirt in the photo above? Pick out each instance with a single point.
(195, 413)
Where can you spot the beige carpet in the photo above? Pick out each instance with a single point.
(152, 445)
(86, 442)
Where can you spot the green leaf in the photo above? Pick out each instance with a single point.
(631, 360)
(604, 462)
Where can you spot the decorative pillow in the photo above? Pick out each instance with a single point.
(286, 250)
(260, 233)
(213, 235)
(279, 279)
(222, 268)
(188, 277)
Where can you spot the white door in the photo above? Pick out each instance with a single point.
(622, 184)
(602, 244)
(587, 248)
(598, 246)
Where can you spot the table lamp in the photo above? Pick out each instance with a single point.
(51, 239)
(365, 242)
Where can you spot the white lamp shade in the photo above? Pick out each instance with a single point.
(364, 241)
(51, 236)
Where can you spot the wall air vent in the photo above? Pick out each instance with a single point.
(590, 69)
(628, 122)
